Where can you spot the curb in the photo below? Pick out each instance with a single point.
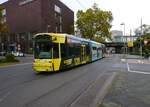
(13, 65)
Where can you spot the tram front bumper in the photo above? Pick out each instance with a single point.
(42, 66)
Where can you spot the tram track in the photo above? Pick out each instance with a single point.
(68, 82)
(34, 77)
(62, 89)
(51, 84)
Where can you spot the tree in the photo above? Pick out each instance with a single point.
(147, 38)
(140, 41)
(3, 26)
(145, 30)
(94, 23)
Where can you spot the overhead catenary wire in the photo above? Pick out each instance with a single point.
(77, 1)
(67, 2)
(81, 5)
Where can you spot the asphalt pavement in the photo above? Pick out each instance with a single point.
(82, 86)
(131, 87)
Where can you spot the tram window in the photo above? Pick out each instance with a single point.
(87, 50)
(55, 50)
(78, 50)
(94, 48)
(63, 51)
(43, 50)
(70, 50)
(73, 50)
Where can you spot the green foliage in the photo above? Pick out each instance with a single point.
(9, 58)
(144, 37)
(3, 25)
(147, 47)
(145, 30)
(94, 23)
(2, 60)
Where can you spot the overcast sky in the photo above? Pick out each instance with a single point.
(128, 11)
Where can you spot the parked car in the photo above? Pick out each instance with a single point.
(18, 54)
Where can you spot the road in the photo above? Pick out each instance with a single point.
(20, 86)
(131, 88)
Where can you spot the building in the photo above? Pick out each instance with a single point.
(28, 17)
(117, 35)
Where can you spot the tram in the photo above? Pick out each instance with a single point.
(54, 52)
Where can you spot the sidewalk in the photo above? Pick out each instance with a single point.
(129, 90)
(28, 58)
(28, 55)
(136, 59)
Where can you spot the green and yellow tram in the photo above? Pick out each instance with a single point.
(53, 52)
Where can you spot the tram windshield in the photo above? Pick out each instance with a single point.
(43, 50)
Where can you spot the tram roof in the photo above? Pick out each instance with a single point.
(51, 34)
(69, 36)
(63, 35)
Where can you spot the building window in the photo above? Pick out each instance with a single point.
(55, 15)
(57, 9)
(4, 12)
(60, 28)
(3, 16)
(3, 20)
(29, 36)
(56, 29)
(60, 19)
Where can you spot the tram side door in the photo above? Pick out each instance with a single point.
(83, 53)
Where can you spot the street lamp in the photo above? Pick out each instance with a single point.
(123, 24)
(141, 37)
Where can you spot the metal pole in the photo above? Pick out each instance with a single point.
(2, 47)
(130, 35)
(124, 38)
(141, 38)
(131, 40)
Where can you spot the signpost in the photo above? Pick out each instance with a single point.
(145, 42)
(130, 44)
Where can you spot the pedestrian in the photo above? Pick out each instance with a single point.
(146, 54)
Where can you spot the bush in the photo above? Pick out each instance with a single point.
(135, 53)
(10, 58)
(2, 60)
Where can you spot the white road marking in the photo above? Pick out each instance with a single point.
(3, 98)
(139, 72)
(140, 61)
(133, 61)
(128, 67)
(15, 65)
(123, 60)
